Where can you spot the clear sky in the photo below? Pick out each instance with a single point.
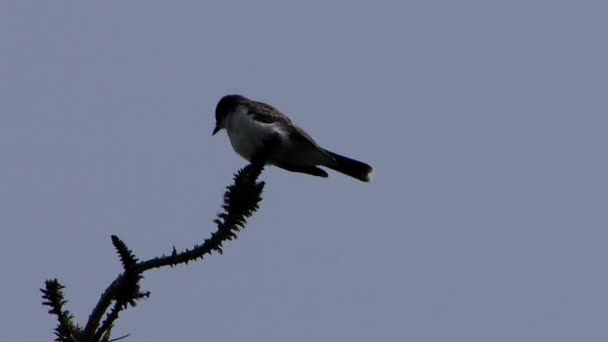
(486, 122)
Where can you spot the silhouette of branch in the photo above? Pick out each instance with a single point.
(241, 200)
(66, 330)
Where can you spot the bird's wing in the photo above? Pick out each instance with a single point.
(267, 114)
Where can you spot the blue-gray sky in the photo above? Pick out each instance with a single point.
(485, 120)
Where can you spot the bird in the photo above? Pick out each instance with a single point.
(249, 124)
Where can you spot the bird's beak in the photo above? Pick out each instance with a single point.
(216, 129)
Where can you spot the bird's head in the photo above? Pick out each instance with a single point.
(225, 107)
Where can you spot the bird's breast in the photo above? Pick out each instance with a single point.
(247, 136)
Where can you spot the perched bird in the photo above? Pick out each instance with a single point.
(250, 123)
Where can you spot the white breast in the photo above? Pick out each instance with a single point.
(247, 135)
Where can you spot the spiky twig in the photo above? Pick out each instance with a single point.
(241, 200)
(66, 330)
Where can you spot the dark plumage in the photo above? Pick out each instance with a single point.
(249, 122)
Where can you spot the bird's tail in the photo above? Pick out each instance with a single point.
(350, 167)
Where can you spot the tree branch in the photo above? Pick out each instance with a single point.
(241, 200)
